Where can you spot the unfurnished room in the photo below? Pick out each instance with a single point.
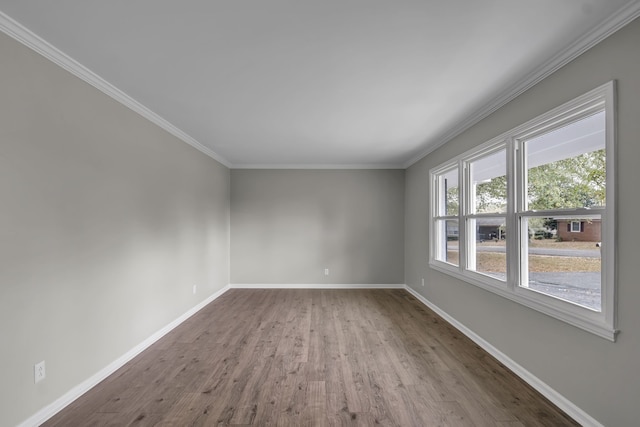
(319, 213)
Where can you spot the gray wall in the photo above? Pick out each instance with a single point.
(287, 226)
(106, 223)
(599, 376)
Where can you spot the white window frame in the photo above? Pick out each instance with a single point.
(468, 213)
(440, 215)
(579, 227)
(601, 323)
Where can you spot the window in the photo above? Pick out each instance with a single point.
(529, 214)
(446, 218)
(485, 213)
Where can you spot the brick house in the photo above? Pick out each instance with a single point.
(579, 230)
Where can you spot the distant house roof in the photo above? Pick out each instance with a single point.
(496, 222)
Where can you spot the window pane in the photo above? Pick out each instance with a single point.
(563, 263)
(448, 193)
(489, 183)
(448, 240)
(488, 250)
(566, 167)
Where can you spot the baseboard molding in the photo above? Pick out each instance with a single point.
(563, 403)
(559, 400)
(50, 410)
(316, 286)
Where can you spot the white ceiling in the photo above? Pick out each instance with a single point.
(322, 83)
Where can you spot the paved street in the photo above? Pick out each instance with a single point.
(582, 288)
(579, 287)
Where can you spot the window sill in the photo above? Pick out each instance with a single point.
(580, 317)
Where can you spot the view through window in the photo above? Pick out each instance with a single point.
(566, 174)
(529, 214)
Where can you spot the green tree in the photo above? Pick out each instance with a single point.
(452, 200)
(578, 181)
(491, 196)
(575, 182)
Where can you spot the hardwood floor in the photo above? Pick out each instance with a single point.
(313, 357)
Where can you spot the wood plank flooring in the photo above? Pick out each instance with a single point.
(303, 357)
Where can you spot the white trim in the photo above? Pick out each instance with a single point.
(547, 305)
(543, 388)
(316, 286)
(25, 36)
(602, 323)
(618, 20)
(307, 166)
(615, 22)
(34, 42)
(567, 406)
(59, 404)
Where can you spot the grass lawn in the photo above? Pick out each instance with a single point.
(546, 243)
(496, 262)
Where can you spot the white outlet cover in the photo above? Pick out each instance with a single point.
(39, 372)
(195, 288)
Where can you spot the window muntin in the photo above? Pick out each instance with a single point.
(485, 212)
(565, 170)
(569, 137)
(446, 210)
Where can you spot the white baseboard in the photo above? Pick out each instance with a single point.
(559, 400)
(563, 403)
(50, 410)
(316, 286)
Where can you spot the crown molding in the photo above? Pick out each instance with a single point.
(308, 166)
(31, 40)
(622, 17)
(615, 22)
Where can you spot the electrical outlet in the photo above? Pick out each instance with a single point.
(39, 372)
(195, 289)
(326, 271)
(423, 281)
